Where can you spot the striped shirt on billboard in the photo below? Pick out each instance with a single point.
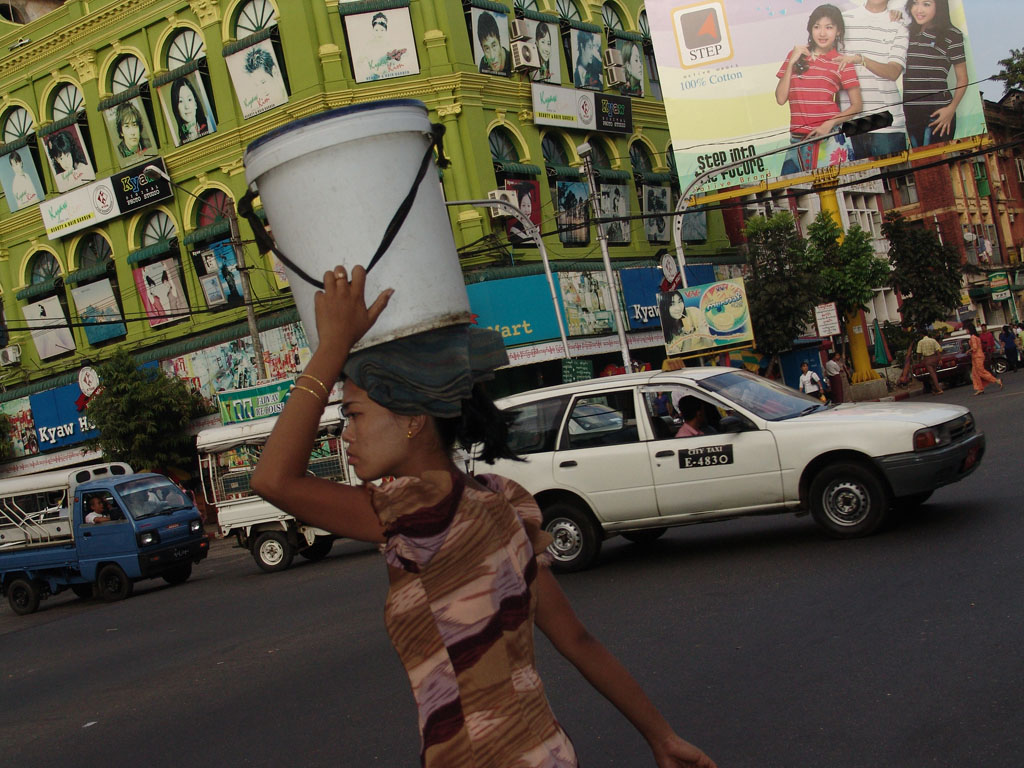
(875, 36)
(812, 95)
(929, 59)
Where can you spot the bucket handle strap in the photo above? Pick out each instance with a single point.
(265, 241)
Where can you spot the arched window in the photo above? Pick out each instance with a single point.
(18, 123)
(67, 143)
(67, 101)
(212, 208)
(610, 16)
(127, 73)
(185, 47)
(95, 291)
(256, 62)
(93, 249)
(652, 64)
(254, 16)
(639, 157)
(43, 267)
(158, 227)
(22, 186)
(157, 271)
(526, 5)
(567, 10)
(503, 148)
(213, 255)
(553, 150)
(600, 154)
(45, 310)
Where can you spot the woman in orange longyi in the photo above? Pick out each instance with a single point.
(466, 554)
(979, 376)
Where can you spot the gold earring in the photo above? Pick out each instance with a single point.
(408, 435)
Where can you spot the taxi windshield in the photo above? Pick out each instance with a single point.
(768, 399)
(150, 496)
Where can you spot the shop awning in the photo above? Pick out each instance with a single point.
(210, 231)
(64, 122)
(41, 288)
(521, 169)
(89, 273)
(119, 98)
(174, 74)
(564, 172)
(368, 6)
(158, 248)
(247, 42)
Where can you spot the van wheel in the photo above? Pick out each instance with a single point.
(82, 591)
(319, 549)
(646, 536)
(848, 500)
(577, 540)
(112, 583)
(272, 551)
(999, 366)
(23, 596)
(179, 574)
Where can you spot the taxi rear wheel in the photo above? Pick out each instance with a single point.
(577, 541)
(848, 500)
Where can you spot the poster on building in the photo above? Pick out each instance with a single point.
(588, 302)
(749, 65)
(587, 66)
(633, 63)
(277, 268)
(615, 206)
(22, 437)
(640, 288)
(130, 132)
(49, 327)
(545, 36)
(69, 160)
(20, 179)
(491, 42)
(657, 200)
(706, 317)
(258, 79)
(98, 311)
(253, 403)
(381, 44)
(573, 219)
(163, 298)
(187, 108)
(563, 107)
(528, 200)
(219, 259)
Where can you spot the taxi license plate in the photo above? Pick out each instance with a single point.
(705, 456)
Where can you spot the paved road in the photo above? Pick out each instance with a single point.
(765, 642)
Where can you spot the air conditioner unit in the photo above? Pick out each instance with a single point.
(506, 196)
(616, 76)
(10, 355)
(524, 55)
(612, 57)
(520, 29)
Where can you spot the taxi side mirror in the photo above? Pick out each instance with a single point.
(735, 424)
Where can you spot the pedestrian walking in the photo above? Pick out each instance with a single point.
(1009, 341)
(988, 345)
(980, 377)
(930, 352)
(810, 382)
(835, 369)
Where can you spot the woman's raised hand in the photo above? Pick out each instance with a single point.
(342, 316)
(674, 752)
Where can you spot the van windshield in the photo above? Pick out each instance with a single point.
(151, 496)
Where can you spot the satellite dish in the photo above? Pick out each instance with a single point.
(970, 237)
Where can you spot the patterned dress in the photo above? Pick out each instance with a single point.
(462, 564)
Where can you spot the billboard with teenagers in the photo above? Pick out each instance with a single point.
(744, 79)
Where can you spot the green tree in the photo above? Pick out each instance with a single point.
(925, 272)
(1012, 72)
(143, 416)
(781, 290)
(848, 271)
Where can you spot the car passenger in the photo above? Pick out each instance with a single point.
(694, 417)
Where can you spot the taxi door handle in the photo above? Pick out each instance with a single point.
(664, 454)
(567, 464)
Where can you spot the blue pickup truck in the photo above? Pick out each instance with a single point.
(95, 530)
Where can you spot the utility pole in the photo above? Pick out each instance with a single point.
(602, 237)
(250, 313)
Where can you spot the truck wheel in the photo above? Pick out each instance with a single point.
(272, 551)
(112, 583)
(646, 536)
(23, 596)
(179, 574)
(848, 500)
(577, 539)
(83, 591)
(319, 549)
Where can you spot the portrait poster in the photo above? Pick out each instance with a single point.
(615, 206)
(257, 77)
(727, 57)
(20, 179)
(548, 41)
(69, 161)
(219, 259)
(705, 317)
(212, 290)
(695, 226)
(22, 437)
(159, 285)
(130, 131)
(573, 219)
(49, 327)
(587, 301)
(491, 42)
(381, 45)
(97, 309)
(587, 65)
(187, 109)
(657, 200)
(633, 63)
(528, 201)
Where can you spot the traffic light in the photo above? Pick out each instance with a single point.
(866, 124)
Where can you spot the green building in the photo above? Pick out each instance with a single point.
(104, 102)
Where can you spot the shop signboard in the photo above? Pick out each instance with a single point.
(705, 318)
(826, 317)
(58, 419)
(999, 284)
(519, 308)
(253, 403)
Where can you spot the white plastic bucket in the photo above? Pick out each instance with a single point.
(330, 184)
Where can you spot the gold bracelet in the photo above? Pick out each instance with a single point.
(327, 392)
(322, 402)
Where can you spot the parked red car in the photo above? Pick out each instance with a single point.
(955, 362)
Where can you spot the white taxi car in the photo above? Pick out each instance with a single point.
(601, 461)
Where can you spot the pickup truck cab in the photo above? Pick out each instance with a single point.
(601, 461)
(144, 527)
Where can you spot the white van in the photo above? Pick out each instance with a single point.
(227, 458)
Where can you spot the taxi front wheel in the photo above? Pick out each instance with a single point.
(848, 500)
(577, 540)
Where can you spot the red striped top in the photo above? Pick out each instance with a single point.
(812, 95)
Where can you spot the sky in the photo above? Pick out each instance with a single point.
(994, 27)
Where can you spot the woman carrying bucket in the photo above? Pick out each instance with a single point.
(465, 554)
